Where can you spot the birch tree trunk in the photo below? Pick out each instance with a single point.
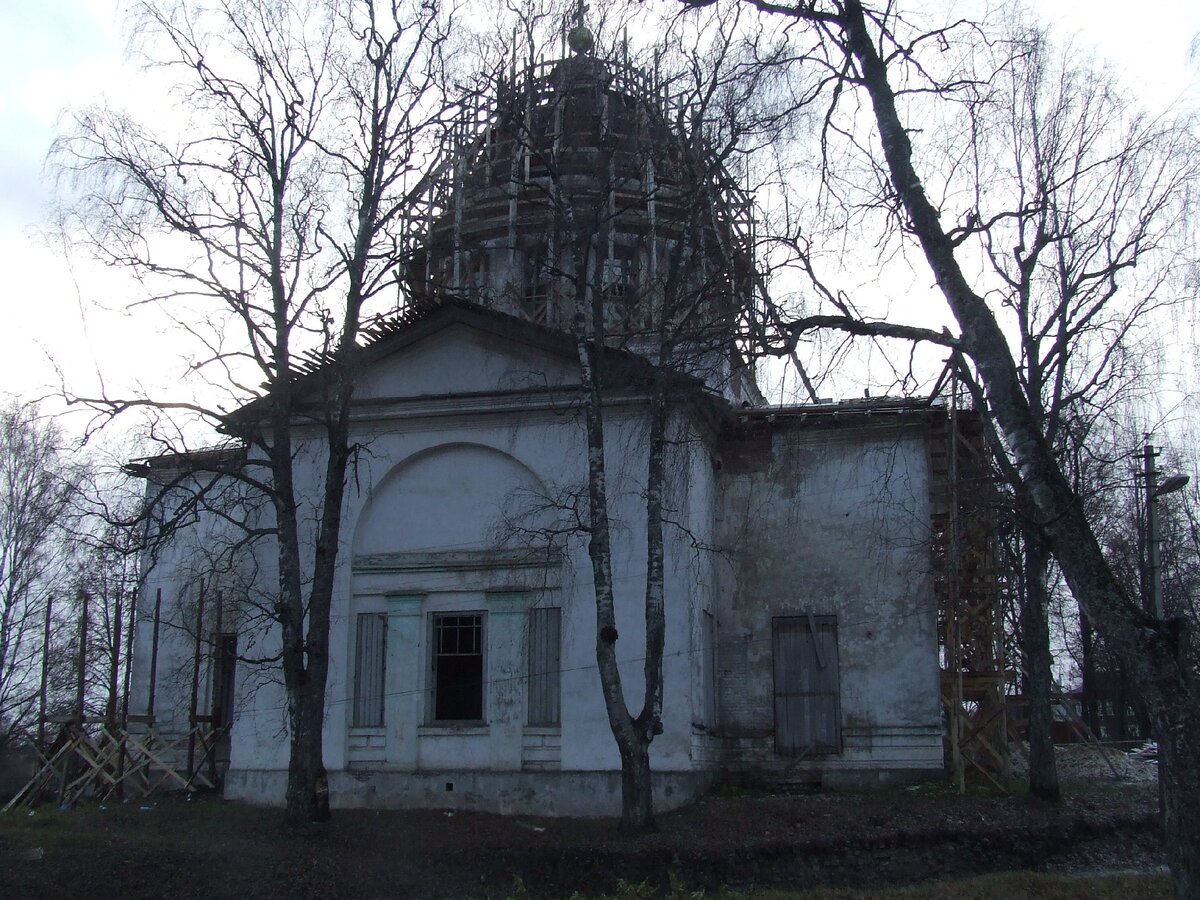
(1039, 680)
(633, 735)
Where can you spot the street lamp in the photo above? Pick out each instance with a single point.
(1171, 485)
(1154, 490)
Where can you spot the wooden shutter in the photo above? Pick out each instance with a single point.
(545, 624)
(708, 647)
(807, 707)
(369, 667)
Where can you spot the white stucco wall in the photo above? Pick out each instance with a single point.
(467, 485)
(832, 520)
(199, 559)
(466, 492)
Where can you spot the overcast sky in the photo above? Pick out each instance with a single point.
(58, 54)
(55, 54)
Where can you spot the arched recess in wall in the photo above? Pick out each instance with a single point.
(453, 497)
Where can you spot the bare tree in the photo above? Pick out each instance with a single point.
(696, 303)
(1114, 493)
(1081, 204)
(266, 232)
(1180, 557)
(643, 256)
(106, 554)
(37, 486)
(878, 57)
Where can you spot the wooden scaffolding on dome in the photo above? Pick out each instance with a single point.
(492, 191)
(971, 587)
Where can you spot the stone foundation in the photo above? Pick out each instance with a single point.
(508, 793)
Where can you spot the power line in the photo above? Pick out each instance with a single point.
(627, 661)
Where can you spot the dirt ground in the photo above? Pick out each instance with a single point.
(205, 847)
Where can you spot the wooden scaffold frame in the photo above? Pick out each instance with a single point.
(970, 585)
(118, 756)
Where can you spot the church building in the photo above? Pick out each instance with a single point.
(803, 575)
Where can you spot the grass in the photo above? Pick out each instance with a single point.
(996, 886)
(210, 848)
(1001, 886)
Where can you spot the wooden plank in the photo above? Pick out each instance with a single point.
(117, 757)
(169, 771)
(544, 665)
(124, 772)
(805, 668)
(47, 770)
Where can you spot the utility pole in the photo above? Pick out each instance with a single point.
(81, 669)
(45, 676)
(1153, 575)
(1154, 490)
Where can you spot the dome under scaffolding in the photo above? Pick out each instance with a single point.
(577, 176)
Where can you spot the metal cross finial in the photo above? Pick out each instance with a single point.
(580, 39)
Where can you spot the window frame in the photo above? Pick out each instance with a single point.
(435, 618)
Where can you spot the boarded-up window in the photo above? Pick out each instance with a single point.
(545, 633)
(370, 653)
(807, 713)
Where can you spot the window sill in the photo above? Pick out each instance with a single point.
(810, 753)
(446, 729)
(543, 729)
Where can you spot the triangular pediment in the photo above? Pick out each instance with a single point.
(457, 354)
(459, 350)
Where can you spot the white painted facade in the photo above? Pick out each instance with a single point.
(460, 503)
